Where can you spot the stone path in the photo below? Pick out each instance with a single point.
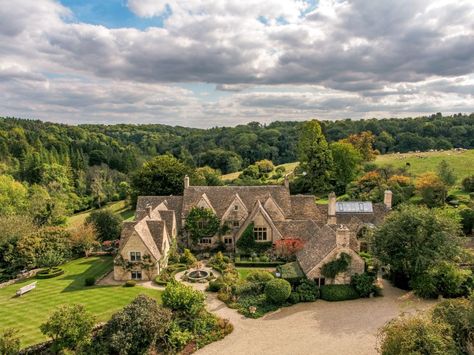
(321, 327)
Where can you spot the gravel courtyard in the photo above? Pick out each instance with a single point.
(348, 327)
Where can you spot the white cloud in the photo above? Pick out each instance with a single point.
(273, 59)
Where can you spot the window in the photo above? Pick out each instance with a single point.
(202, 223)
(135, 256)
(136, 275)
(227, 241)
(321, 281)
(260, 233)
(236, 207)
(235, 223)
(205, 241)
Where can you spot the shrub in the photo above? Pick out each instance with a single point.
(135, 328)
(308, 291)
(259, 276)
(69, 326)
(187, 258)
(468, 183)
(182, 298)
(363, 284)
(294, 298)
(457, 313)
(338, 292)
(278, 290)
(9, 342)
(89, 281)
(444, 279)
(177, 337)
(215, 286)
(130, 283)
(247, 288)
(416, 335)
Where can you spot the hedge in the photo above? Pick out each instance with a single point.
(338, 293)
(176, 268)
(291, 272)
(49, 273)
(258, 263)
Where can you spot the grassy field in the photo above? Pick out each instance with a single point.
(27, 312)
(461, 161)
(119, 207)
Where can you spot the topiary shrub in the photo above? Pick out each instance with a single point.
(259, 276)
(278, 290)
(130, 283)
(89, 281)
(49, 273)
(294, 298)
(338, 293)
(308, 291)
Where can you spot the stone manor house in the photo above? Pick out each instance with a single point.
(326, 230)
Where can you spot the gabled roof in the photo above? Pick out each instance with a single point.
(305, 207)
(222, 196)
(173, 203)
(232, 212)
(273, 209)
(205, 203)
(170, 221)
(258, 208)
(316, 249)
(302, 229)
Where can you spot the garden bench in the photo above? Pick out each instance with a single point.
(26, 288)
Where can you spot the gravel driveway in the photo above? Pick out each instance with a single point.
(321, 327)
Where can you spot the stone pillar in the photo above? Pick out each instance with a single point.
(343, 236)
(186, 181)
(332, 208)
(387, 199)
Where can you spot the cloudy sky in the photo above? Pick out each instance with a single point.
(203, 63)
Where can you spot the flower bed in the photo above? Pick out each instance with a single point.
(49, 273)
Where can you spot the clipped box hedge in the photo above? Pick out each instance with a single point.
(49, 273)
(338, 293)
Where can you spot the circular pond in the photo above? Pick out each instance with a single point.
(198, 275)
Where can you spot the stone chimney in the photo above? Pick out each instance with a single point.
(343, 236)
(332, 208)
(186, 181)
(148, 210)
(387, 199)
(287, 181)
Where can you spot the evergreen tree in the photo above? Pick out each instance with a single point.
(315, 157)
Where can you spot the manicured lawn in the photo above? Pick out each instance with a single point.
(119, 207)
(245, 271)
(27, 312)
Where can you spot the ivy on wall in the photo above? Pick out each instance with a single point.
(336, 266)
(247, 243)
(201, 222)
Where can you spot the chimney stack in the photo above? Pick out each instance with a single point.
(343, 236)
(332, 208)
(287, 181)
(148, 210)
(186, 181)
(387, 199)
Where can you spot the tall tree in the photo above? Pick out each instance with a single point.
(315, 157)
(163, 175)
(347, 161)
(364, 143)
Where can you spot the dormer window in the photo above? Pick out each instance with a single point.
(235, 223)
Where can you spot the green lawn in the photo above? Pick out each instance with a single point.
(245, 271)
(27, 312)
(118, 207)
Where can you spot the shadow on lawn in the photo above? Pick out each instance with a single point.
(97, 268)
